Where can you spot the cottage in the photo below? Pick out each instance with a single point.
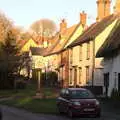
(110, 50)
(59, 51)
(85, 69)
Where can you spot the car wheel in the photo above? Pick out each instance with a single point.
(59, 110)
(70, 113)
(98, 115)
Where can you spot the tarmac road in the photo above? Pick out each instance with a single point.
(10, 113)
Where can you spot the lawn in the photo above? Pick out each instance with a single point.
(46, 106)
(25, 99)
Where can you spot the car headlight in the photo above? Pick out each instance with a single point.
(76, 103)
(97, 102)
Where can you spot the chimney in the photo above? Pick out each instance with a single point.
(63, 25)
(103, 9)
(117, 7)
(83, 18)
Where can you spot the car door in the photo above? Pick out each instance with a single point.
(66, 100)
(61, 99)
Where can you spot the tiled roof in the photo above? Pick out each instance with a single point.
(112, 43)
(55, 40)
(91, 32)
(62, 40)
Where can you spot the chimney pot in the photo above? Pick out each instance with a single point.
(83, 18)
(63, 25)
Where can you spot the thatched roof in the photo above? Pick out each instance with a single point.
(112, 43)
(94, 30)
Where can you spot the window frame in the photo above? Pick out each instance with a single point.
(88, 51)
(80, 52)
(87, 74)
(80, 75)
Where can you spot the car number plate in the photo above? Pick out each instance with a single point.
(89, 109)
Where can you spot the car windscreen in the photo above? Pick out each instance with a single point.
(81, 94)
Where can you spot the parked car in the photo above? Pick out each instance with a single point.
(0, 114)
(78, 101)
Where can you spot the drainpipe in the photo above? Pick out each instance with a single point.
(93, 63)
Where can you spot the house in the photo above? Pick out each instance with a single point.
(61, 55)
(52, 52)
(85, 69)
(110, 50)
(25, 47)
(37, 62)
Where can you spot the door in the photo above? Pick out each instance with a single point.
(66, 100)
(60, 100)
(106, 83)
(118, 81)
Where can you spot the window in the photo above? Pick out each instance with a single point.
(87, 74)
(81, 94)
(80, 75)
(75, 76)
(80, 52)
(71, 55)
(70, 76)
(88, 50)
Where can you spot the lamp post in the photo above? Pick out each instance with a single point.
(39, 93)
(37, 71)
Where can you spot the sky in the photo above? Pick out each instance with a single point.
(25, 12)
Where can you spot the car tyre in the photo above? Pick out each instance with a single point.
(59, 110)
(70, 113)
(98, 115)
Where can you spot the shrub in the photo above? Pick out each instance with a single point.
(21, 84)
(115, 94)
(49, 79)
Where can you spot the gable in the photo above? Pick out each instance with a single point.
(75, 35)
(62, 40)
(28, 44)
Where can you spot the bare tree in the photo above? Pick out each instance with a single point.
(44, 27)
(25, 35)
(5, 25)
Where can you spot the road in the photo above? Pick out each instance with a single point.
(20, 114)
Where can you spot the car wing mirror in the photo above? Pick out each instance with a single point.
(67, 96)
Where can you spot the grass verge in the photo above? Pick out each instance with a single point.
(24, 99)
(46, 106)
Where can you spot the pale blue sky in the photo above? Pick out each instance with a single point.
(25, 12)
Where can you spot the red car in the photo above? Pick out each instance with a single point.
(78, 101)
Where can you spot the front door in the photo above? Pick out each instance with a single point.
(118, 81)
(106, 83)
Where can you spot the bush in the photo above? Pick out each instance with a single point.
(115, 94)
(20, 84)
(49, 79)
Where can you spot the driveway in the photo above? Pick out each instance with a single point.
(10, 113)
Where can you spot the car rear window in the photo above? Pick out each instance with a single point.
(81, 94)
